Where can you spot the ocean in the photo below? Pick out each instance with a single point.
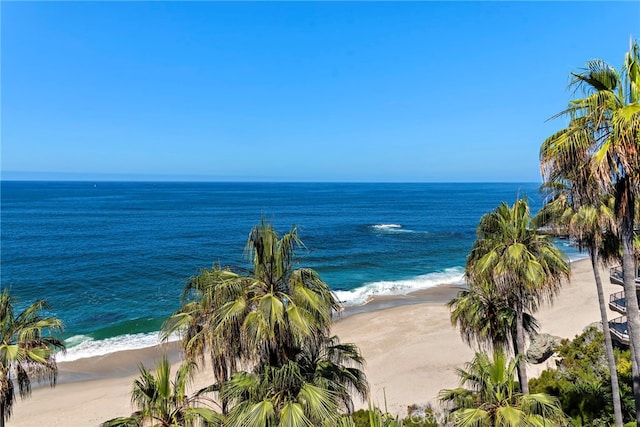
(112, 258)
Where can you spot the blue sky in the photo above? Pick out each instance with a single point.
(288, 91)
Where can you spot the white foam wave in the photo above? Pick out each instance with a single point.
(570, 248)
(81, 346)
(577, 256)
(75, 340)
(386, 226)
(390, 228)
(364, 293)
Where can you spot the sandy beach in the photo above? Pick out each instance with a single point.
(408, 342)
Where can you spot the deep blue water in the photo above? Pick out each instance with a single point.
(112, 258)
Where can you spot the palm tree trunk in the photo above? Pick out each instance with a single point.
(630, 292)
(224, 403)
(514, 341)
(608, 345)
(222, 375)
(522, 363)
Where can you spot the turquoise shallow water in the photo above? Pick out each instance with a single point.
(113, 257)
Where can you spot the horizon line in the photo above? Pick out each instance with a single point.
(20, 176)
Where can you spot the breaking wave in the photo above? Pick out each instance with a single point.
(363, 294)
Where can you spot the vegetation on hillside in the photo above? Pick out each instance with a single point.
(581, 381)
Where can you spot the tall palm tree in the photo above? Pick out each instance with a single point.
(485, 318)
(162, 402)
(492, 399)
(288, 306)
(605, 124)
(271, 311)
(524, 264)
(576, 202)
(591, 227)
(27, 351)
(269, 317)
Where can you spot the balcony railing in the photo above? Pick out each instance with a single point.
(618, 329)
(616, 277)
(617, 302)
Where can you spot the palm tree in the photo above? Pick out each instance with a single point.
(492, 397)
(27, 351)
(485, 318)
(605, 124)
(164, 403)
(525, 266)
(203, 296)
(279, 395)
(314, 389)
(288, 306)
(271, 317)
(337, 367)
(591, 225)
(269, 312)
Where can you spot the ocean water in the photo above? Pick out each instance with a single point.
(112, 258)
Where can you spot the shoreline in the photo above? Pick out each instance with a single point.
(408, 342)
(440, 293)
(125, 363)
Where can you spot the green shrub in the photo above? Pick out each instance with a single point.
(376, 418)
(581, 381)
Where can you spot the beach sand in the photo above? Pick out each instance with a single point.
(408, 342)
